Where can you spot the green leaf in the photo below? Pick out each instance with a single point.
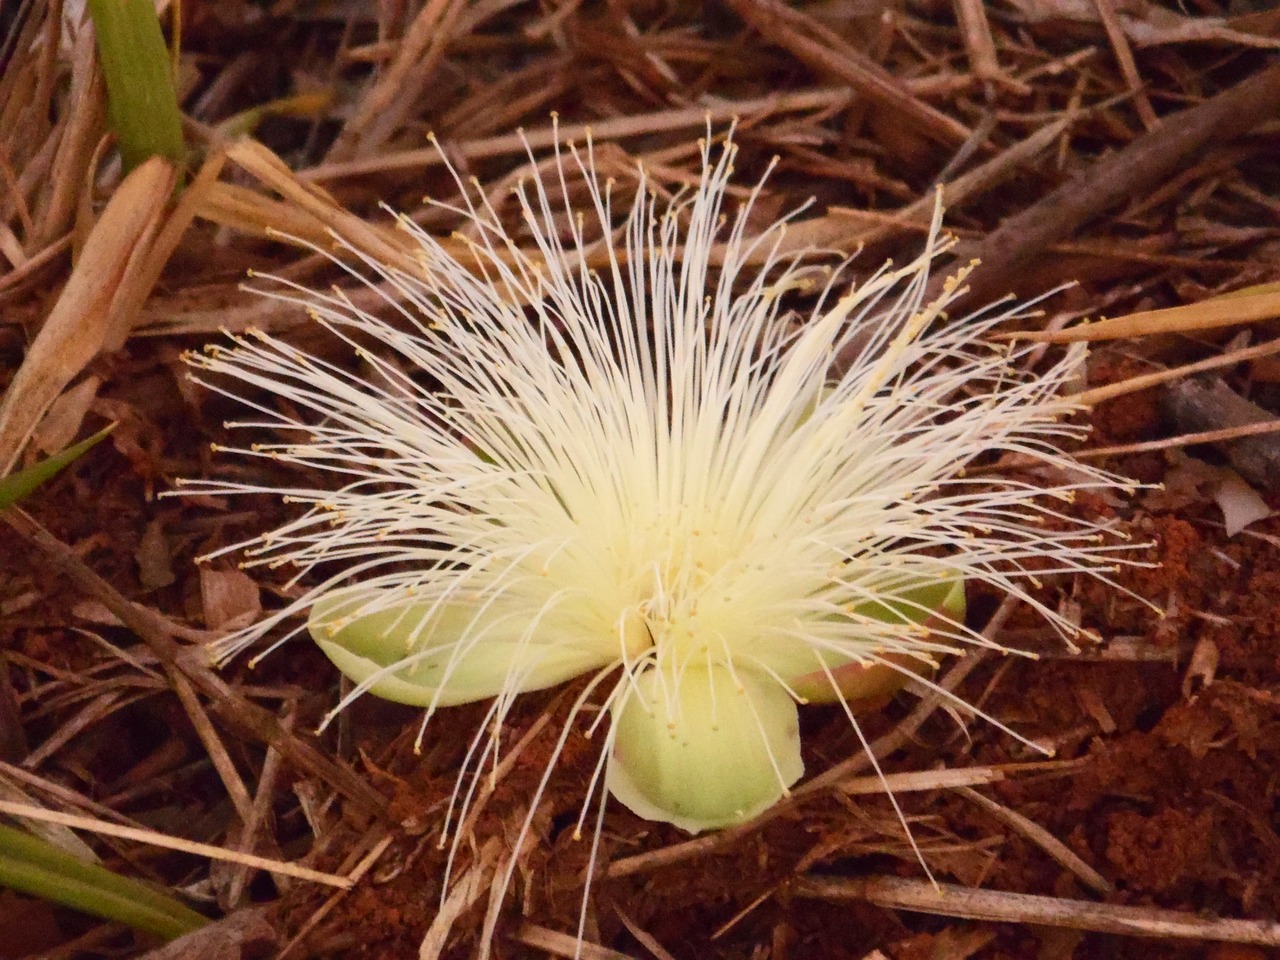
(34, 866)
(18, 485)
(142, 105)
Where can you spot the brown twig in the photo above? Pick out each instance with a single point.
(951, 900)
(562, 945)
(1109, 391)
(1099, 187)
(976, 31)
(827, 53)
(168, 842)
(1185, 440)
(387, 103)
(370, 851)
(222, 700)
(612, 128)
(1042, 838)
(1128, 67)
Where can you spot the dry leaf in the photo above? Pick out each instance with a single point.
(1191, 480)
(94, 611)
(247, 932)
(1202, 668)
(61, 424)
(1241, 505)
(230, 598)
(155, 567)
(83, 318)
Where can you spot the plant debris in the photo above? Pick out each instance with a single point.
(1127, 148)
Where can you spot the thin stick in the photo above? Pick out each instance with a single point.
(562, 945)
(212, 743)
(1110, 391)
(979, 43)
(1097, 188)
(34, 263)
(1128, 67)
(913, 781)
(223, 700)
(1232, 310)
(1028, 828)
(845, 228)
(167, 842)
(952, 900)
(635, 125)
(258, 813)
(362, 867)
(386, 105)
(1186, 440)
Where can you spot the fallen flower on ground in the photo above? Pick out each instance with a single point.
(652, 448)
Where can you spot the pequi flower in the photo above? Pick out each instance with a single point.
(707, 474)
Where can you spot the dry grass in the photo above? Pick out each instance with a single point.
(1129, 148)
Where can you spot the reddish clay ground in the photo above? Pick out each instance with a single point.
(1160, 119)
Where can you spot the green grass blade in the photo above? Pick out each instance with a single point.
(18, 485)
(34, 866)
(141, 102)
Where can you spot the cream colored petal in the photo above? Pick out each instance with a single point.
(702, 752)
(460, 654)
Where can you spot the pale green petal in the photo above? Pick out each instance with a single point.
(460, 655)
(391, 687)
(805, 668)
(704, 752)
(864, 686)
(917, 604)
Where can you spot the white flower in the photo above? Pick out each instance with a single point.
(719, 491)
